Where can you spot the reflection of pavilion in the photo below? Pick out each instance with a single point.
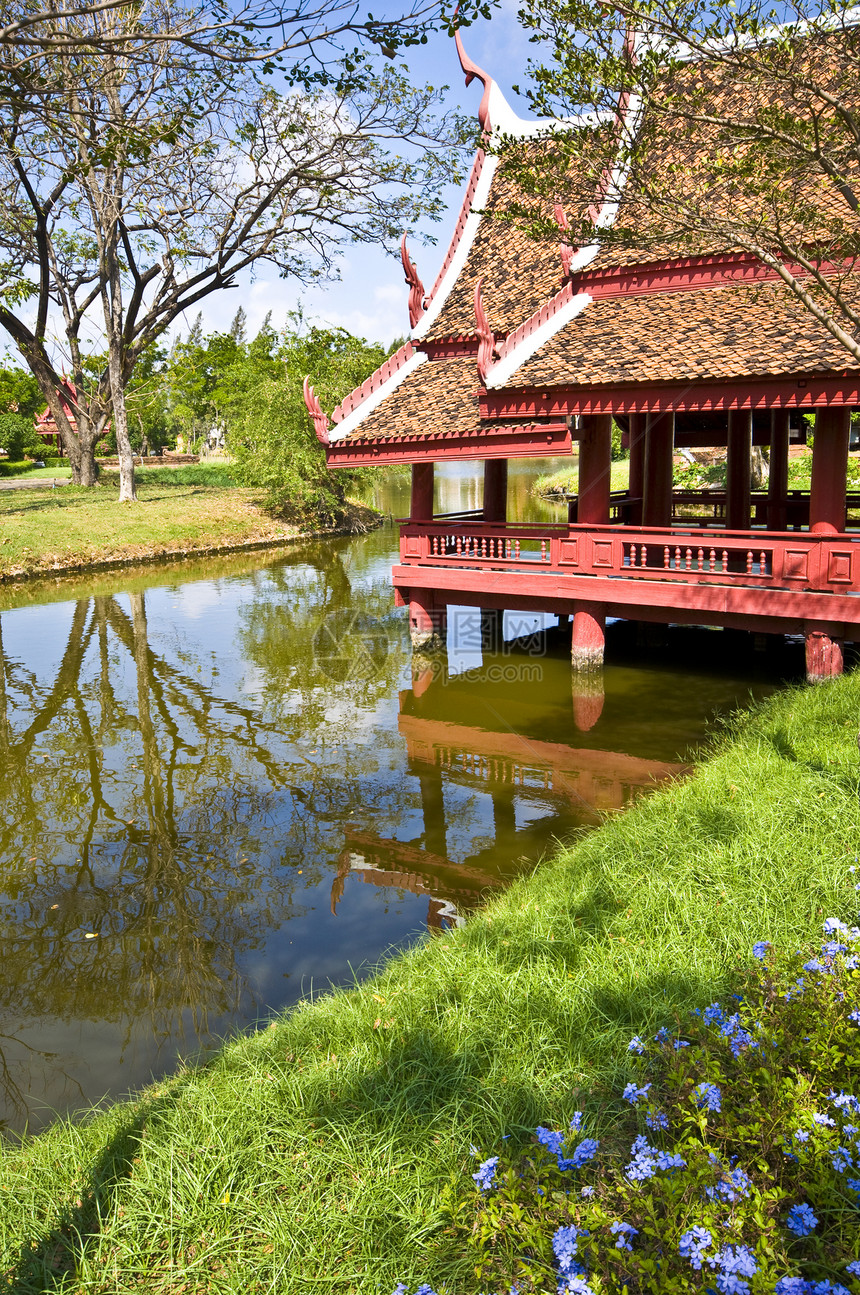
(507, 768)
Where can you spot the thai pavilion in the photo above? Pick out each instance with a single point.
(521, 348)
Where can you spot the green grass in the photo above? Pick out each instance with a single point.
(24, 468)
(179, 509)
(317, 1154)
(566, 480)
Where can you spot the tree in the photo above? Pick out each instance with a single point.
(144, 172)
(727, 127)
(270, 433)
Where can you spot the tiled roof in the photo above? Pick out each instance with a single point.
(441, 396)
(518, 272)
(717, 333)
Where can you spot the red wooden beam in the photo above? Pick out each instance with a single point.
(801, 391)
(493, 443)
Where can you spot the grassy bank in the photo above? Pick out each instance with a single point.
(318, 1154)
(196, 508)
(566, 480)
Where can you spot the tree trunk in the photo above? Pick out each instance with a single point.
(127, 491)
(759, 468)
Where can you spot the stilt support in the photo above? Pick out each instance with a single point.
(823, 656)
(587, 639)
(587, 696)
(427, 624)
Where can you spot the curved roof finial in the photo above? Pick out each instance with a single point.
(486, 336)
(416, 287)
(474, 72)
(316, 411)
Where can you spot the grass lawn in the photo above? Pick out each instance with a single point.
(327, 1152)
(179, 510)
(566, 480)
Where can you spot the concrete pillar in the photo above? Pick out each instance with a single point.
(823, 655)
(738, 470)
(496, 490)
(427, 623)
(422, 492)
(829, 467)
(777, 485)
(587, 638)
(595, 463)
(637, 466)
(659, 444)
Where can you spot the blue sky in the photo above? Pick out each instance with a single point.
(370, 300)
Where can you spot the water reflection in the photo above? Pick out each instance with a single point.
(221, 788)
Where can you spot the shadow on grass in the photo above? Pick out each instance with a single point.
(47, 1263)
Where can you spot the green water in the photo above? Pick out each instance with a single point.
(224, 790)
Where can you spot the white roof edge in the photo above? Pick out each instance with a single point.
(375, 399)
(505, 122)
(502, 372)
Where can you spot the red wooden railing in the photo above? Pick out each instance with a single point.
(758, 559)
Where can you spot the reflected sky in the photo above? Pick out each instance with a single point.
(224, 788)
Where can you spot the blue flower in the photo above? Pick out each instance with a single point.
(692, 1244)
(666, 1160)
(832, 926)
(679, 1044)
(644, 1162)
(760, 949)
(657, 1120)
(853, 1183)
(486, 1173)
(586, 1151)
(801, 1221)
(841, 1160)
(813, 965)
(549, 1139)
(853, 1268)
(855, 1017)
(825, 1120)
(587, 1191)
(792, 1286)
(632, 1094)
(623, 1233)
(636, 1045)
(713, 1015)
(708, 1097)
(734, 1263)
(802, 1135)
(827, 1288)
(564, 1245)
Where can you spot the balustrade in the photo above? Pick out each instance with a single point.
(788, 560)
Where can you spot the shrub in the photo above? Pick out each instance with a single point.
(732, 1164)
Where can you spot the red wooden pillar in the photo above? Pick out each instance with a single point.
(421, 509)
(496, 490)
(637, 467)
(823, 654)
(738, 470)
(587, 638)
(595, 463)
(659, 444)
(777, 482)
(829, 467)
(587, 697)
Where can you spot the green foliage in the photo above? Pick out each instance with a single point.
(739, 1133)
(18, 436)
(19, 392)
(700, 476)
(270, 433)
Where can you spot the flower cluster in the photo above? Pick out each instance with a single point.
(713, 1196)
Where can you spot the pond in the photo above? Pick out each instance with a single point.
(223, 790)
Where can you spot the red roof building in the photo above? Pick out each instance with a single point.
(520, 348)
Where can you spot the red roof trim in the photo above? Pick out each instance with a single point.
(376, 380)
(809, 391)
(465, 210)
(481, 443)
(683, 274)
